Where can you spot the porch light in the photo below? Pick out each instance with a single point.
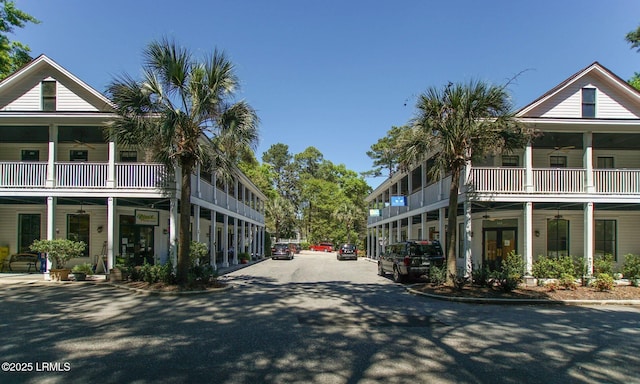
(537, 233)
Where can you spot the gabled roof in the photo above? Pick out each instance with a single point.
(594, 69)
(44, 64)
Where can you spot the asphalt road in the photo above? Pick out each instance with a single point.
(309, 320)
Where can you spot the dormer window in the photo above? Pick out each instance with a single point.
(588, 103)
(48, 95)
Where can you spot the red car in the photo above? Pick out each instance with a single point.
(322, 247)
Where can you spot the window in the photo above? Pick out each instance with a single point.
(78, 229)
(82, 155)
(605, 162)
(28, 230)
(510, 161)
(128, 156)
(605, 234)
(558, 161)
(589, 102)
(30, 155)
(48, 95)
(557, 237)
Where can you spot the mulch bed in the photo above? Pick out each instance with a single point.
(163, 287)
(620, 292)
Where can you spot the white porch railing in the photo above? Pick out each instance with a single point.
(86, 175)
(616, 181)
(513, 180)
(501, 180)
(140, 175)
(23, 174)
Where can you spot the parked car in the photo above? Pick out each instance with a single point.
(322, 247)
(295, 248)
(347, 252)
(410, 259)
(281, 251)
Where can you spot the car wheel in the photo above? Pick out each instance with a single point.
(397, 277)
(380, 270)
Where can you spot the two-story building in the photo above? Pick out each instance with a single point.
(574, 190)
(60, 178)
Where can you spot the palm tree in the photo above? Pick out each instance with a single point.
(281, 214)
(346, 213)
(183, 113)
(461, 123)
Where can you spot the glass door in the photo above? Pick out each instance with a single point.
(136, 241)
(497, 244)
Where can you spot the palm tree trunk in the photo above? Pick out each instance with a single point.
(184, 241)
(452, 225)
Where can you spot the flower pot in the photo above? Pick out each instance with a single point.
(80, 276)
(117, 274)
(59, 274)
(244, 261)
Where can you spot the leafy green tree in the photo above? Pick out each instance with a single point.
(13, 54)
(385, 154)
(461, 122)
(633, 38)
(183, 112)
(347, 214)
(280, 214)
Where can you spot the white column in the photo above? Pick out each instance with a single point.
(196, 223)
(173, 231)
(225, 241)
(423, 225)
(111, 232)
(51, 229)
(235, 241)
(399, 229)
(51, 158)
(587, 161)
(111, 168)
(198, 181)
(468, 263)
(588, 237)
(243, 236)
(213, 248)
(442, 220)
(528, 165)
(528, 237)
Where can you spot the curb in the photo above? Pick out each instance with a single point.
(480, 300)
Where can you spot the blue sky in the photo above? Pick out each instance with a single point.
(336, 74)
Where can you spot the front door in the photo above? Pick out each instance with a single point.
(497, 244)
(136, 241)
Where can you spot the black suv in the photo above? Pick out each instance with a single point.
(281, 251)
(410, 259)
(347, 251)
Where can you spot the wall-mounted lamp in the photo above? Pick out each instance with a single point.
(57, 230)
(471, 233)
(165, 231)
(537, 233)
(100, 228)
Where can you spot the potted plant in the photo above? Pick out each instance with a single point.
(244, 258)
(59, 251)
(81, 271)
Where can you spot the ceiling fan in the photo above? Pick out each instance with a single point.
(562, 149)
(83, 144)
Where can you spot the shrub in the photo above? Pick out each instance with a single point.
(85, 268)
(438, 275)
(555, 267)
(604, 282)
(482, 277)
(568, 281)
(603, 264)
(59, 250)
(631, 267)
(510, 273)
(198, 253)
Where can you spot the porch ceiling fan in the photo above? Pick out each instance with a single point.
(83, 144)
(561, 149)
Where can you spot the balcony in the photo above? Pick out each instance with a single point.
(554, 180)
(89, 176)
(513, 181)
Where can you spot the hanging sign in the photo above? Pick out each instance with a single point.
(145, 217)
(398, 201)
(375, 212)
